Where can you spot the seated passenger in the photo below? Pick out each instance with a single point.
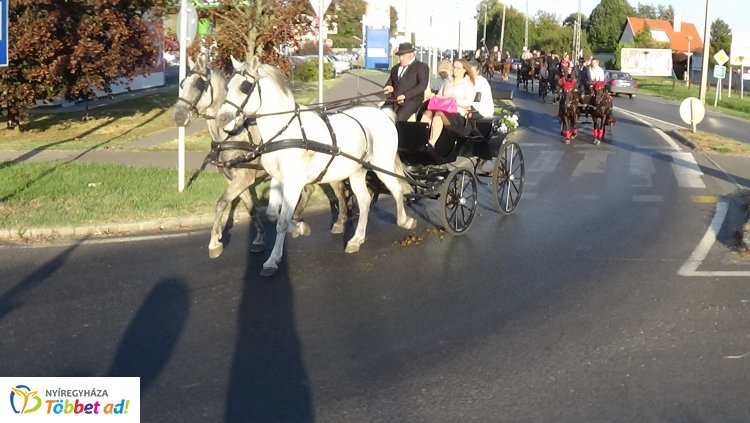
(444, 73)
(461, 87)
(485, 107)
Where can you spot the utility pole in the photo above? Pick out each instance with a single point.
(484, 34)
(526, 28)
(706, 42)
(577, 37)
(502, 32)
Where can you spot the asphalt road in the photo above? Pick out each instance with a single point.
(569, 310)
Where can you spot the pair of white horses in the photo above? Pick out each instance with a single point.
(280, 132)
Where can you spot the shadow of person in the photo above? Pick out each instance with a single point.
(152, 335)
(268, 381)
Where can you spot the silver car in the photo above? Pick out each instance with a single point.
(619, 82)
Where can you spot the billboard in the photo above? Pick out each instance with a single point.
(740, 50)
(4, 32)
(646, 61)
(377, 48)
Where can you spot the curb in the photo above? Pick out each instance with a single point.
(41, 234)
(681, 139)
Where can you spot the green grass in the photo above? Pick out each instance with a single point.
(665, 88)
(199, 141)
(112, 124)
(75, 193)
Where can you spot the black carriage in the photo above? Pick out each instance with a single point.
(451, 171)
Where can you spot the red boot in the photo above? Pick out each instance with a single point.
(575, 132)
(567, 136)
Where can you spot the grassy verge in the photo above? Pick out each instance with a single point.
(113, 123)
(665, 88)
(715, 143)
(60, 194)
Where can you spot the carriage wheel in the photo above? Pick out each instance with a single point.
(509, 177)
(460, 201)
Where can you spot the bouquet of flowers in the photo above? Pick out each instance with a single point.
(508, 122)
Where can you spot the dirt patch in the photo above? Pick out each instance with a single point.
(713, 143)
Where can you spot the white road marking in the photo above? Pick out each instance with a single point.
(642, 170)
(593, 162)
(691, 265)
(686, 170)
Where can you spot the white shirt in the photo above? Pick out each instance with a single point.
(402, 68)
(485, 106)
(596, 73)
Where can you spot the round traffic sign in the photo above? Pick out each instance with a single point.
(192, 23)
(692, 111)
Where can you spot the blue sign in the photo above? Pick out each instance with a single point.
(4, 32)
(377, 48)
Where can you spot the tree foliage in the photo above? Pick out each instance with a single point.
(260, 28)
(73, 48)
(572, 19)
(649, 11)
(721, 37)
(349, 22)
(606, 23)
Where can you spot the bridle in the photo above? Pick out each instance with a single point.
(202, 84)
(247, 88)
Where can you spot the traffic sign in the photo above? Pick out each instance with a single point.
(692, 111)
(316, 4)
(4, 32)
(721, 57)
(720, 71)
(192, 22)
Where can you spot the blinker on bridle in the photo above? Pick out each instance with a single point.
(201, 84)
(246, 87)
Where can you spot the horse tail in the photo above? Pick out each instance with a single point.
(390, 113)
(398, 169)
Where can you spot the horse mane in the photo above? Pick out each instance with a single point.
(277, 76)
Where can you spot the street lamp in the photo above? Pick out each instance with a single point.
(688, 54)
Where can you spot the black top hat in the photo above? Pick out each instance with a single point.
(404, 48)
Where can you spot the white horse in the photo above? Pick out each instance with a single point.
(293, 138)
(203, 92)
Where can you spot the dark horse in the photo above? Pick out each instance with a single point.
(568, 110)
(600, 106)
(526, 74)
(489, 67)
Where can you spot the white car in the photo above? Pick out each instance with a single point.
(339, 66)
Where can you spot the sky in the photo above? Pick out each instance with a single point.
(692, 11)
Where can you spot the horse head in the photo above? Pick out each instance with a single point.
(254, 88)
(197, 92)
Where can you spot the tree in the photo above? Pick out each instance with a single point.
(666, 13)
(349, 23)
(606, 23)
(260, 28)
(572, 19)
(646, 11)
(70, 49)
(721, 37)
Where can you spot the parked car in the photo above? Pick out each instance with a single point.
(515, 64)
(339, 66)
(619, 82)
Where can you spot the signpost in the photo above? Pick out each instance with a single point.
(720, 72)
(4, 32)
(187, 24)
(320, 7)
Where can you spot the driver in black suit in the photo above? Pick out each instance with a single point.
(407, 83)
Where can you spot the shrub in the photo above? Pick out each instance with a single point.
(308, 70)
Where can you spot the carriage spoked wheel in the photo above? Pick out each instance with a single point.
(508, 177)
(460, 201)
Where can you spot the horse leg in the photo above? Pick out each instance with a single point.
(274, 200)
(394, 186)
(291, 192)
(338, 191)
(358, 183)
(300, 227)
(248, 199)
(235, 188)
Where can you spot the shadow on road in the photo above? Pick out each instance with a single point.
(268, 381)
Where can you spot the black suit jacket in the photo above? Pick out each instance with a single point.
(412, 83)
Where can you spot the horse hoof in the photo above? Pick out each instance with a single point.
(410, 223)
(215, 251)
(337, 228)
(257, 248)
(269, 271)
(352, 248)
